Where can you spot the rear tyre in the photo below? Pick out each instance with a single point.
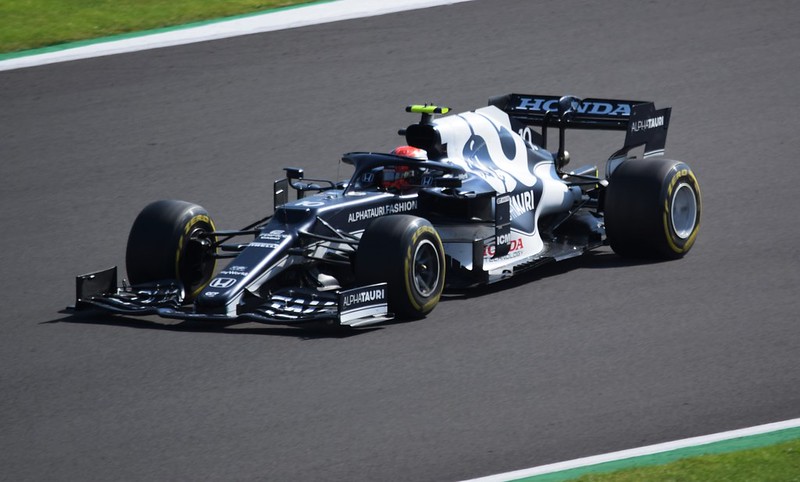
(169, 240)
(652, 209)
(405, 252)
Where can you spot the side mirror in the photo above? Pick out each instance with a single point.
(293, 173)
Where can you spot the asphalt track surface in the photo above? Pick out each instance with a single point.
(593, 356)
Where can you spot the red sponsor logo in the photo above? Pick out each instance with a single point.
(516, 245)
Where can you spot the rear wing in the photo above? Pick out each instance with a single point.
(644, 125)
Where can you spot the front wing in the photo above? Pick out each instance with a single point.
(354, 307)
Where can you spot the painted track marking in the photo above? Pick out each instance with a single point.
(790, 430)
(279, 19)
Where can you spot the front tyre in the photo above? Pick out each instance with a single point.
(169, 240)
(405, 252)
(652, 209)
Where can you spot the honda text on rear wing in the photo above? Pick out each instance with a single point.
(644, 124)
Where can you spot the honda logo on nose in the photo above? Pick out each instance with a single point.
(222, 282)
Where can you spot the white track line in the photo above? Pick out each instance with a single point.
(639, 452)
(269, 21)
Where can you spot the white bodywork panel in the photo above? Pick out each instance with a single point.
(484, 144)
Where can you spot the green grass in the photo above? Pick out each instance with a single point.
(774, 463)
(30, 24)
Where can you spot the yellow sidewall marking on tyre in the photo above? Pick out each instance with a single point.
(186, 231)
(667, 231)
(408, 273)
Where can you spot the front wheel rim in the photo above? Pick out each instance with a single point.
(426, 269)
(195, 265)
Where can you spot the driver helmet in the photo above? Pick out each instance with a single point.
(411, 151)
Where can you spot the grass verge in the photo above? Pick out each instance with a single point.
(31, 24)
(778, 463)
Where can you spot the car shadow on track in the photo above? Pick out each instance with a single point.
(311, 332)
(600, 259)
(593, 260)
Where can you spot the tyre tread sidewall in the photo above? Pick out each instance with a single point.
(637, 209)
(385, 254)
(157, 241)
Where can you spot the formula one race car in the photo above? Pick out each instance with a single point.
(472, 199)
